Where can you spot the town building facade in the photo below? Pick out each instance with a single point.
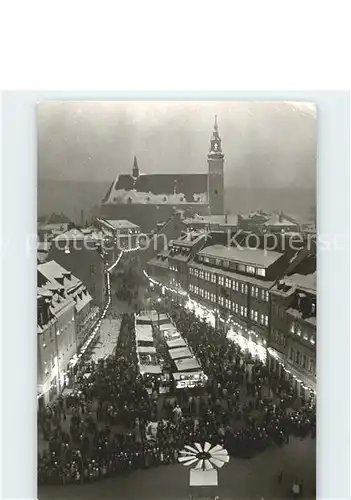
(65, 318)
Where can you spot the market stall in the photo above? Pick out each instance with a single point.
(186, 380)
(187, 364)
(174, 343)
(180, 353)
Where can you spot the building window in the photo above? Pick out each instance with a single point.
(236, 308)
(226, 263)
(221, 300)
(298, 331)
(313, 339)
(250, 269)
(243, 311)
(213, 278)
(304, 361)
(266, 320)
(254, 291)
(92, 269)
(261, 272)
(265, 295)
(190, 287)
(201, 292)
(310, 366)
(191, 270)
(244, 288)
(196, 272)
(313, 308)
(292, 327)
(207, 276)
(235, 285)
(213, 297)
(218, 262)
(228, 283)
(201, 275)
(228, 304)
(221, 280)
(291, 354)
(298, 357)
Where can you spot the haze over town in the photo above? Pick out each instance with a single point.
(270, 150)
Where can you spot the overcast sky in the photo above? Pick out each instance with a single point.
(266, 144)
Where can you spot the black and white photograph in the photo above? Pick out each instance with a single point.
(176, 300)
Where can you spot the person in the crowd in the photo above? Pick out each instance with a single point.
(103, 427)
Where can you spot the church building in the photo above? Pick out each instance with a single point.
(149, 199)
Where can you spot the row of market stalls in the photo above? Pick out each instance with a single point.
(158, 341)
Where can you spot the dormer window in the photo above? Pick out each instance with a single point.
(313, 308)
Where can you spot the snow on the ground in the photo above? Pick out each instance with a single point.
(109, 333)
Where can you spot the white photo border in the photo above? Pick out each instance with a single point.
(19, 216)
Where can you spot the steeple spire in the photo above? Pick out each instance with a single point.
(215, 144)
(215, 124)
(135, 172)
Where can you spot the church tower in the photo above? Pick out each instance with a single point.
(135, 171)
(215, 185)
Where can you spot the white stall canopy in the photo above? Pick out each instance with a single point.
(180, 352)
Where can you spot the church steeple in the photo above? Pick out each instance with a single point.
(215, 143)
(215, 186)
(135, 171)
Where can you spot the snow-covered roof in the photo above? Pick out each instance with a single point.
(53, 272)
(254, 256)
(122, 224)
(152, 369)
(167, 327)
(245, 278)
(171, 344)
(73, 235)
(175, 187)
(59, 226)
(279, 220)
(146, 349)
(143, 333)
(230, 220)
(187, 364)
(180, 353)
(307, 282)
(121, 197)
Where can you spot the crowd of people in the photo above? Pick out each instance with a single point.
(111, 424)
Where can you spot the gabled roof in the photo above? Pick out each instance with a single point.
(155, 187)
(53, 272)
(73, 235)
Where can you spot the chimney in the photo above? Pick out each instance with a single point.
(226, 219)
(281, 217)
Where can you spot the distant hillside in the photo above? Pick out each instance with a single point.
(70, 197)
